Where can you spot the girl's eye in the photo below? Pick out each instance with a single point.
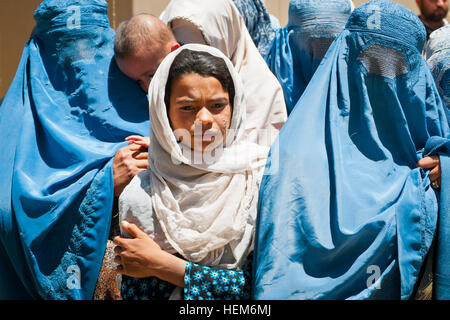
(187, 108)
(219, 105)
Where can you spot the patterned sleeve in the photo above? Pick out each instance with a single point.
(215, 283)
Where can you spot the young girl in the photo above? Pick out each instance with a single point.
(220, 25)
(192, 213)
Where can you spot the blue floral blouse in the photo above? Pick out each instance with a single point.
(200, 283)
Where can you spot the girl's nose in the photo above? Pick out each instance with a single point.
(205, 118)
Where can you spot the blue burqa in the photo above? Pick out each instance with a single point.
(438, 57)
(298, 48)
(64, 117)
(258, 22)
(344, 212)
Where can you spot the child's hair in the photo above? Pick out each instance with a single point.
(202, 63)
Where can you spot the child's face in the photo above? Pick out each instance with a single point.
(200, 106)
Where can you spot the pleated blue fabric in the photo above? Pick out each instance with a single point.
(258, 22)
(344, 211)
(438, 57)
(298, 48)
(64, 117)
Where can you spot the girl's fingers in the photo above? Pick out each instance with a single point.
(134, 137)
(117, 259)
(140, 155)
(141, 143)
(138, 140)
(121, 243)
(134, 147)
(142, 164)
(119, 269)
(117, 241)
(133, 230)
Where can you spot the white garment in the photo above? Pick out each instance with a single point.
(186, 32)
(206, 211)
(223, 27)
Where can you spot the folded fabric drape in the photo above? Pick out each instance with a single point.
(259, 23)
(438, 57)
(348, 214)
(298, 48)
(64, 117)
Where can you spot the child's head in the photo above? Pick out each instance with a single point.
(199, 98)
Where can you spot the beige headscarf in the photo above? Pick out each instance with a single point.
(223, 27)
(205, 211)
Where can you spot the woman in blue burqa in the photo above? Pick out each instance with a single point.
(438, 57)
(356, 186)
(260, 23)
(298, 48)
(65, 116)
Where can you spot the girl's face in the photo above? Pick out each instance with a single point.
(200, 110)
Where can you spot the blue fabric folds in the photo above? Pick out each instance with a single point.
(438, 57)
(298, 48)
(64, 117)
(258, 22)
(344, 212)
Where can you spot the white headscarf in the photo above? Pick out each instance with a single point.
(206, 211)
(223, 27)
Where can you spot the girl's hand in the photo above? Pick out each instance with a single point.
(141, 141)
(142, 257)
(138, 257)
(433, 163)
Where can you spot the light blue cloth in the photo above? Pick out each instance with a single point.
(259, 23)
(438, 57)
(64, 117)
(344, 212)
(298, 48)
